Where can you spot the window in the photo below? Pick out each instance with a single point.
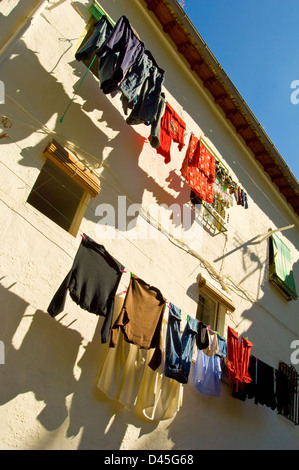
(63, 188)
(207, 310)
(213, 214)
(280, 268)
(213, 303)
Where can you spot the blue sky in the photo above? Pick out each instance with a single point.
(257, 44)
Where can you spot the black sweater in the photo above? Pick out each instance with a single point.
(92, 283)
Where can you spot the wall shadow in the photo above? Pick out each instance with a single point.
(38, 91)
(44, 364)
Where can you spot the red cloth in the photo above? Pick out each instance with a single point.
(238, 356)
(172, 129)
(199, 168)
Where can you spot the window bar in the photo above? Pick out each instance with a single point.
(292, 412)
(216, 216)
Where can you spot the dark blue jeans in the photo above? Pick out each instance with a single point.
(122, 45)
(144, 79)
(179, 349)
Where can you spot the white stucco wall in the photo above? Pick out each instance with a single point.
(48, 396)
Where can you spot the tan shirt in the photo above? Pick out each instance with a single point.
(140, 319)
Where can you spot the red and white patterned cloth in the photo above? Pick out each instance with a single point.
(198, 169)
(172, 129)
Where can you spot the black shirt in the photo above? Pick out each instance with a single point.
(92, 283)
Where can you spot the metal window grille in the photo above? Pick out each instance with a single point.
(287, 390)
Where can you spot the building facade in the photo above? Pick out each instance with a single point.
(73, 165)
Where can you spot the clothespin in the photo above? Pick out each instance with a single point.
(81, 235)
(3, 136)
(123, 271)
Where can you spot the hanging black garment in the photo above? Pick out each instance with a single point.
(92, 283)
(247, 390)
(265, 385)
(284, 394)
(118, 54)
(202, 337)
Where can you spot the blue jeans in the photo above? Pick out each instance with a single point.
(179, 349)
(144, 79)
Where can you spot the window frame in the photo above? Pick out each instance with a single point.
(201, 315)
(64, 166)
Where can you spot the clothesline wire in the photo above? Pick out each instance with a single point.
(212, 272)
(195, 110)
(143, 212)
(135, 246)
(61, 121)
(233, 284)
(125, 285)
(105, 166)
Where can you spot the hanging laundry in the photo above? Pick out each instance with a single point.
(213, 347)
(172, 129)
(222, 346)
(238, 358)
(202, 337)
(117, 48)
(156, 124)
(140, 319)
(207, 374)
(145, 79)
(285, 391)
(126, 377)
(92, 283)
(198, 169)
(122, 48)
(121, 373)
(247, 390)
(102, 30)
(179, 349)
(159, 397)
(265, 385)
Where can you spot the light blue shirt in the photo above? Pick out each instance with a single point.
(207, 374)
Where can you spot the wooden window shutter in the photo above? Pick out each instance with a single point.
(73, 168)
(97, 12)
